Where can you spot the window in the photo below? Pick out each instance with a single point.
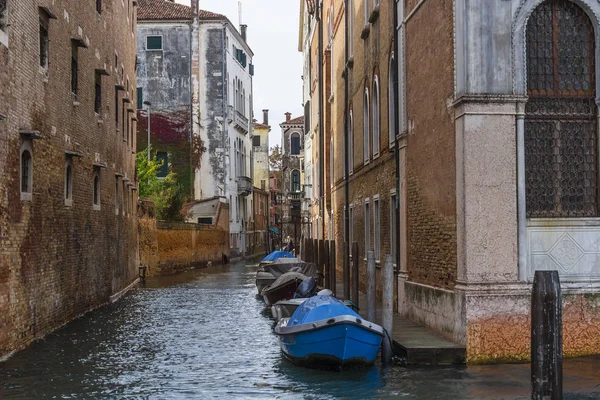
(98, 93)
(393, 224)
(376, 130)
(43, 39)
(125, 199)
(117, 203)
(140, 98)
(3, 15)
(392, 101)
(351, 228)
(367, 227)
(74, 68)
(295, 181)
(117, 109)
(366, 128)
(350, 143)
(154, 43)
(331, 166)
(26, 171)
(96, 189)
(256, 140)
(162, 158)
(69, 181)
(350, 5)
(367, 11)
(376, 229)
(561, 140)
(99, 6)
(295, 144)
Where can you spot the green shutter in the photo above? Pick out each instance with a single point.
(154, 43)
(140, 98)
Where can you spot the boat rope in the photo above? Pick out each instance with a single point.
(396, 358)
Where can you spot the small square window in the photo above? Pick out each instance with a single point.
(154, 43)
(162, 158)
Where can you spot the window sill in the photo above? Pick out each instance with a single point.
(100, 121)
(26, 196)
(68, 203)
(76, 103)
(365, 32)
(374, 14)
(96, 207)
(116, 211)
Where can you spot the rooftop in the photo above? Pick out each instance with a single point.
(294, 121)
(155, 10)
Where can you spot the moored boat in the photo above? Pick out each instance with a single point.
(283, 288)
(323, 331)
(268, 273)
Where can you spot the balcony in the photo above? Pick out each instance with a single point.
(244, 185)
(240, 122)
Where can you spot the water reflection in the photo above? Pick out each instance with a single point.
(205, 334)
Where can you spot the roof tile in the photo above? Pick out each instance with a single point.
(156, 10)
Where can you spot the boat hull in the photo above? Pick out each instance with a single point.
(286, 308)
(282, 292)
(263, 279)
(341, 341)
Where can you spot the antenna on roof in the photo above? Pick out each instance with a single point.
(240, 12)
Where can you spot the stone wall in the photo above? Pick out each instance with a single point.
(60, 258)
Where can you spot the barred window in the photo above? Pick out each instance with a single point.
(561, 141)
(3, 14)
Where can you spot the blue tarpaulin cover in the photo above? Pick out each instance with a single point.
(319, 307)
(277, 254)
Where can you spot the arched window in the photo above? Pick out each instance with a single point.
(350, 142)
(26, 171)
(295, 144)
(295, 181)
(96, 189)
(392, 101)
(561, 141)
(376, 124)
(366, 128)
(68, 181)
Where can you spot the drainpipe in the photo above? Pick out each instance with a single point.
(193, 31)
(319, 15)
(397, 126)
(346, 133)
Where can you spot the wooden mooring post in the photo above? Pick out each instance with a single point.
(355, 264)
(546, 336)
(346, 271)
(321, 259)
(315, 252)
(308, 252)
(332, 271)
(371, 287)
(326, 266)
(387, 317)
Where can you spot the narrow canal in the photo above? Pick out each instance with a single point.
(205, 335)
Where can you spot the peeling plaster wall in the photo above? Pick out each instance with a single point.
(164, 77)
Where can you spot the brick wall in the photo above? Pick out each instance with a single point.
(58, 261)
(431, 160)
(170, 247)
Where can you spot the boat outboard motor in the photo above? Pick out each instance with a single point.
(307, 288)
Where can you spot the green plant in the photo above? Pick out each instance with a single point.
(168, 195)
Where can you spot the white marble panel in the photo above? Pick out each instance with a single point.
(572, 250)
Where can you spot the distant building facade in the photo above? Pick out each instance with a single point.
(165, 80)
(259, 224)
(292, 171)
(68, 219)
(225, 121)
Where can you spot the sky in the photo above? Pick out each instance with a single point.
(273, 37)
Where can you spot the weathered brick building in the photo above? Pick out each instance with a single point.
(68, 226)
(495, 126)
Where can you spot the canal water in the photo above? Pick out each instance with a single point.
(206, 335)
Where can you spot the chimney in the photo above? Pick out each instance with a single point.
(288, 116)
(244, 31)
(266, 117)
(195, 7)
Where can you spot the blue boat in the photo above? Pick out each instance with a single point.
(277, 254)
(323, 331)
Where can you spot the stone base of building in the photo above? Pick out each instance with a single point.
(493, 321)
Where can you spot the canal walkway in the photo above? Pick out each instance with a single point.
(205, 334)
(415, 343)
